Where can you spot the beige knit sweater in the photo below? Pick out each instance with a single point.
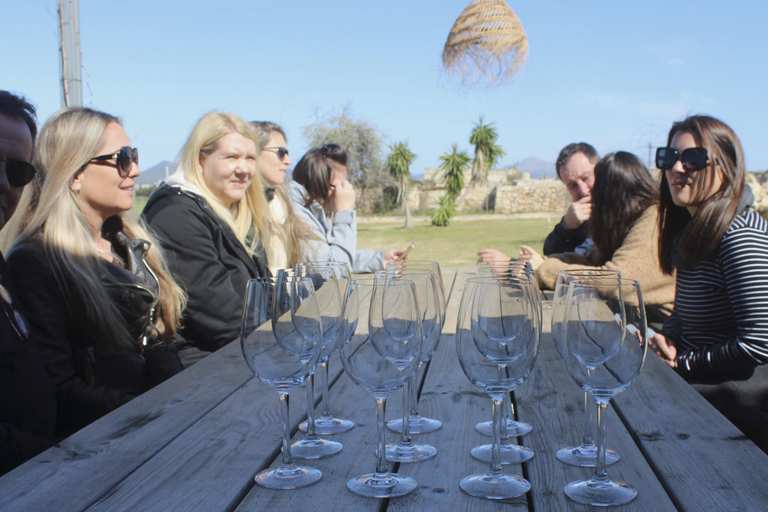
(637, 258)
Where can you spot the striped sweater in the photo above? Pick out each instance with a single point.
(720, 319)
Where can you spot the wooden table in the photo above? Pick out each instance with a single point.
(196, 441)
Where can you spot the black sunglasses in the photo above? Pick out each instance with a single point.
(19, 172)
(280, 151)
(693, 159)
(123, 159)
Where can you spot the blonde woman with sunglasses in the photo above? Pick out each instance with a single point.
(93, 281)
(717, 336)
(213, 220)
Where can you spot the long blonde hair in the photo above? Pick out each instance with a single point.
(49, 211)
(294, 233)
(251, 213)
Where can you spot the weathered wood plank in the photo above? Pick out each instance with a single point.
(106, 452)
(706, 462)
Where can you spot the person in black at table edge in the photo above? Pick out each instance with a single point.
(575, 167)
(27, 402)
(98, 293)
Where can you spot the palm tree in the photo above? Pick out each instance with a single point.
(487, 152)
(454, 164)
(398, 164)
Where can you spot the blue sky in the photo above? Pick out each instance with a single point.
(615, 74)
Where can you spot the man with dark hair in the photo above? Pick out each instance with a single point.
(575, 167)
(27, 402)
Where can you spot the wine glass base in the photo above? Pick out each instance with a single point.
(288, 477)
(585, 456)
(600, 494)
(509, 454)
(494, 487)
(409, 453)
(328, 427)
(514, 428)
(314, 448)
(416, 425)
(381, 485)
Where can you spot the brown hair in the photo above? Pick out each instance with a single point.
(623, 190)
(313, 171)
(571, 149)
(699, 236)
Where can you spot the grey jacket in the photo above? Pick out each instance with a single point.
(339, 235)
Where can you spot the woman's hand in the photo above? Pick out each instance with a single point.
(665, 349)
(342, 196)
(392, 255)
(531, 256)
(492, 255)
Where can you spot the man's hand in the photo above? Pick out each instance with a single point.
(578, 212)
(492, 256)
(531, 256)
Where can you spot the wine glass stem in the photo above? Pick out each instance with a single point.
(496, 449)
(284, 412)
(414, 396)
(590, 421)
(405, 436)
(381, 462)
(311, 431)
(505, 408)
(600, 473)
(326, 393)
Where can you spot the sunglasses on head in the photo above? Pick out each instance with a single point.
(693, 159)
(123, 159)
(280, 151)
(19, 172)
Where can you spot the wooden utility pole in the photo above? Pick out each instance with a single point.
(69, 48)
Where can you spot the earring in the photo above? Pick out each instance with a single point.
(75, 187)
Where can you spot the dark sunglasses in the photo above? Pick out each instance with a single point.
(19, 172)
(693, 159)
(123, 159)
(280, 151)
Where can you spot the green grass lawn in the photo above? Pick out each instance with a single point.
(455, 245)
(458, 243)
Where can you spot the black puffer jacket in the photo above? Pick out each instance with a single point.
(91, 376)
(208, 261)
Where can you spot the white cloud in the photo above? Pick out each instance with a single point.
(674, 53)
(684, 103)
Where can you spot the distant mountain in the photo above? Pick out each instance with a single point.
(538, 168)
(156, 173)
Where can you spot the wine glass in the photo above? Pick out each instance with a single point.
(605, 344)
(584, 455)
(330, 280)
(510, 452)
(425, 265)
(281, 337)
(380, 350)
(497, 343)
(431, 320)
(513, 427)
(312, 446)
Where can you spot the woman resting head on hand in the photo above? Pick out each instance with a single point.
(93, 281)
(325, 200)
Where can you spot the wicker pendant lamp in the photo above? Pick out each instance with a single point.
(486, 44)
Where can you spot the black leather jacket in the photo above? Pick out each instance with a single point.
(93, 376)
